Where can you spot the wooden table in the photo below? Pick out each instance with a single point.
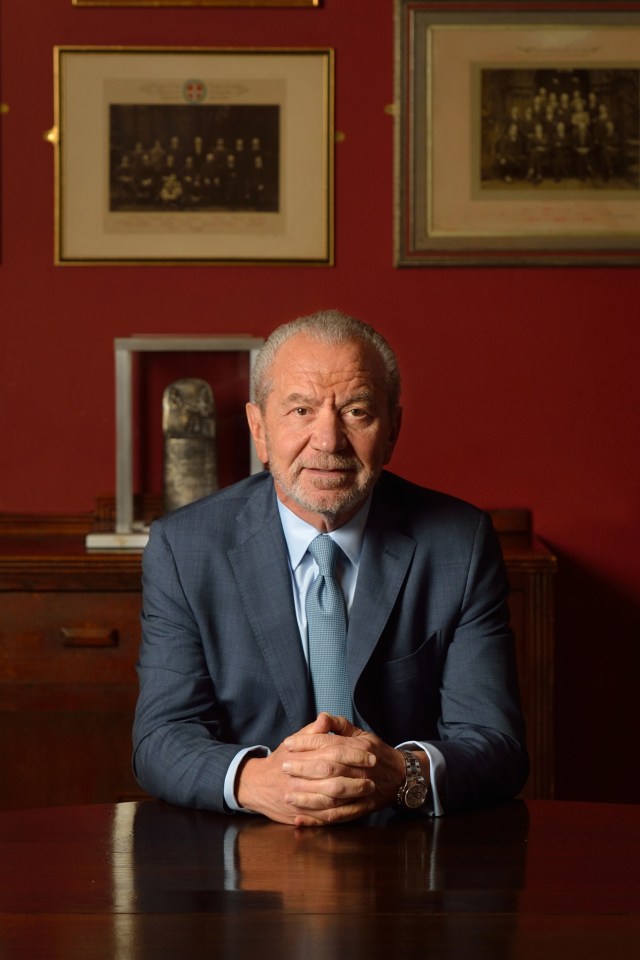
(147, 881)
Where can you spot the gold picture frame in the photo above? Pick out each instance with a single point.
(461, 69)
(196, 3)
(259, 120)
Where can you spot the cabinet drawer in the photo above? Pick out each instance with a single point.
(69, 637)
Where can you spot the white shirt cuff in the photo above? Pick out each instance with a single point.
(230, 778)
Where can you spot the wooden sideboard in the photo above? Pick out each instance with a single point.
(69, 636)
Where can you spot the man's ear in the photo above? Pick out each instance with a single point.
(394, 433)
(256, 426)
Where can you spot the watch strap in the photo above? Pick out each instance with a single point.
(413, 778)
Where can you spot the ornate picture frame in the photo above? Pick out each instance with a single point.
(484, 173)
(196, 3)
(193, 155)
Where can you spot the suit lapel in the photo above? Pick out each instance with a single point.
(261, 568)
(386, 556)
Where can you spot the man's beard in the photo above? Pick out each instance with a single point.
(326, 501)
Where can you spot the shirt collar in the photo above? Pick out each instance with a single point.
(299, 534)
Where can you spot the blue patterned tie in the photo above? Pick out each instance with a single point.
(327, 626)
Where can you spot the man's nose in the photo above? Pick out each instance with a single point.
(328, 434)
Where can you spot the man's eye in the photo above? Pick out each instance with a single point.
(357, 413)
(302, 411)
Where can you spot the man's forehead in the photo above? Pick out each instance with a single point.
(307, 358)
(344, 382)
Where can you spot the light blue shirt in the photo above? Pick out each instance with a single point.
(304, 570)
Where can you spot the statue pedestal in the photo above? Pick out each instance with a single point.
(116, 541)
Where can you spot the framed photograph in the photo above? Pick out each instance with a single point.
(194, 156)
(196, 3)
(517, 133)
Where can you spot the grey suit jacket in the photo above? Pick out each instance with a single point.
(430, 653)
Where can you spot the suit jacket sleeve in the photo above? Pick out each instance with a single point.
(178, 755)
(481, 728)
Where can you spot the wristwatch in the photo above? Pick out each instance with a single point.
(414, 790)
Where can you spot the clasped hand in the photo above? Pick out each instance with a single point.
(329, 772)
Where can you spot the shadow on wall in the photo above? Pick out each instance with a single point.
(597, 683)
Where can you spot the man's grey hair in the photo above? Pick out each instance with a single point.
(330, 327)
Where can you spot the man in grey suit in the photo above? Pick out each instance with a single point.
(226, 718)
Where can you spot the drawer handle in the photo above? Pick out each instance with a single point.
(89, 637)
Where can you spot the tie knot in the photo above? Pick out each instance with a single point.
(325, 552)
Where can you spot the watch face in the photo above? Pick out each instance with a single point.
(415, 795)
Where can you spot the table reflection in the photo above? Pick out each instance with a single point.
(358, 890)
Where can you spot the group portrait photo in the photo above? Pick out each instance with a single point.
(560, 129)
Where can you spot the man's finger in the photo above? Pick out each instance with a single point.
(330, 793)
(325, 768)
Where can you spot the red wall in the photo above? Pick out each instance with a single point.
(520, 384)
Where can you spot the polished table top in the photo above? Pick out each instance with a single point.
(136, 881)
